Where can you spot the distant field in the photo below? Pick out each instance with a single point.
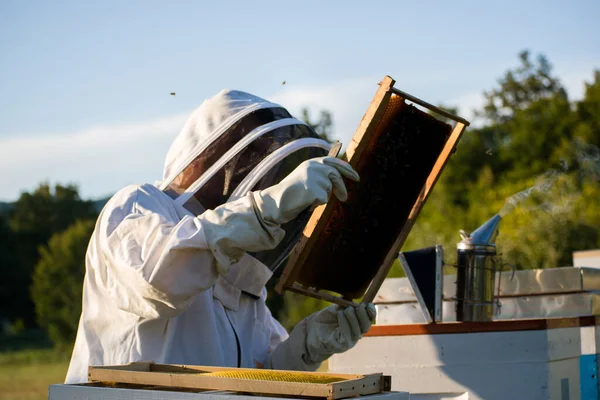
(26, 374)
(30, 382)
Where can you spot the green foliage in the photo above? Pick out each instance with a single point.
(519, 88)
(14, 277)
(548, 226)
(48, 210)
(5, 208)
(396, 271)
(16, 328)
(588, 113)
(21, 339)
(33, 218)
(537, 140)
(57, 282)
(274, 301)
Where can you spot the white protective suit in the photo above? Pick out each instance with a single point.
(156, 289)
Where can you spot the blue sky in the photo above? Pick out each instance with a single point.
(84, 86)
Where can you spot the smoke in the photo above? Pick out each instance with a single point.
(543, 184)
(554, 188)
(588, 158)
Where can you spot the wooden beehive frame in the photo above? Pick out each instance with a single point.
(354, 151)
(191, 377)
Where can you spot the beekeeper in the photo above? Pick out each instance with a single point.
(176, 271)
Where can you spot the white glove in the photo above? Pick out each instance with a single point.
(335, 330)
(309, 184)
(329, 331)
(251, 223)
(234, 228)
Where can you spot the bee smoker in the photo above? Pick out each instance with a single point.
(477, 264)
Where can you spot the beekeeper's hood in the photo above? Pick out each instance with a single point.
(235, 143)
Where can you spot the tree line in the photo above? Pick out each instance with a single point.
(533, 157)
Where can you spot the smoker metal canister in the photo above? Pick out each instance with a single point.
(476, 273)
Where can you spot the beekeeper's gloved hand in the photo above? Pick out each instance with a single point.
(329, 331)
(334, 330)
(310, 184)
(251, 223)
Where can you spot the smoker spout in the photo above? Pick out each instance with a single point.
(486, 233)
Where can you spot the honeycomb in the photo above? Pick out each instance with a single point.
(271, 375)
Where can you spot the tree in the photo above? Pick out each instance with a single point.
(535, 141)
(34, 218)
(13, 277)
(48, 210)
(540, 136)
(58, 280)
(323, 127)
(545, 229)
(520, 87)
(530, 126)
(588, 113)
(478, 150)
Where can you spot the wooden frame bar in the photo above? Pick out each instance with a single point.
(431, 107)
(322, 214)
(191, 377)
(319, 216)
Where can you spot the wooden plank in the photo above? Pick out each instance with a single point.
(197, 381)
(429, 106)
(141, 366)
(317, 294)
(370, 119)
(431, 180)
(369, 384)
(478, 327)
(178, 376)
(320, 215)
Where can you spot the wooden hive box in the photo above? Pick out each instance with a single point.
(255, 381)
(348, 248)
